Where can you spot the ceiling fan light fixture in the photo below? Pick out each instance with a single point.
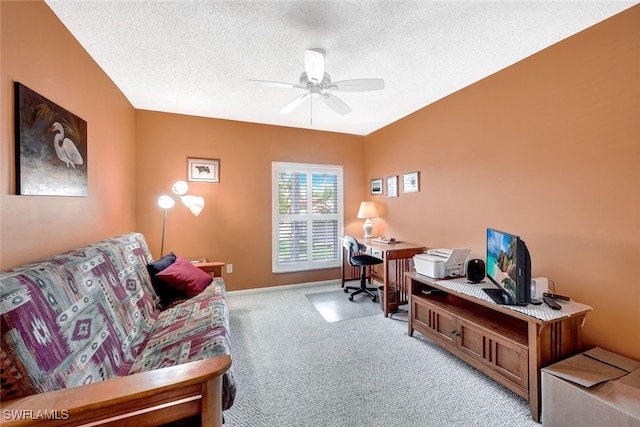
(318, 84)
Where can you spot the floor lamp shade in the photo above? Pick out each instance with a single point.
(367, 211)
(166, 202)
(194, 203)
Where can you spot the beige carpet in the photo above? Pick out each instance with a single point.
(295, 369)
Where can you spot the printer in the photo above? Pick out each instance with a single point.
(441, 263)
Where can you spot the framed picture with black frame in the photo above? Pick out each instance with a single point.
(50, 147)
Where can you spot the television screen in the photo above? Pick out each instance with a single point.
(509, 266)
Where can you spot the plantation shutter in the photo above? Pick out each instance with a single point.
(307, 216)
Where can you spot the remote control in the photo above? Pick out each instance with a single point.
(535, 301)
(556, 296)
(551, 303)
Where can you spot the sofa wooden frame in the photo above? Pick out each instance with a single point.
(144, 399)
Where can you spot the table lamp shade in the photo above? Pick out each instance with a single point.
(367, 210)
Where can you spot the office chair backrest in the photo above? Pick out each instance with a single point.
(352, 246)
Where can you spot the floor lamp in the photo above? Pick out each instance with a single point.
(178, 192)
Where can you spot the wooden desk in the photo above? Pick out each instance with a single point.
(508, 343)
(398, 259)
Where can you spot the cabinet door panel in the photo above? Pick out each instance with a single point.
(444, 325)
(421, 315)
(439, 323)
(471, 340)
(512, 363)
(501, 355)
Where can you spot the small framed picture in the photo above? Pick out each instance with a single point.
(203, 170)
(376, 186)
(410, 182)
(392, 186)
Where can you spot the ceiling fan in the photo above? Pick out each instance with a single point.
(317, 84)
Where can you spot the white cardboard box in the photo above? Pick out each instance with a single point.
(594, 388)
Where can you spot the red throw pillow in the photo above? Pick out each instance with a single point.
(185, 277)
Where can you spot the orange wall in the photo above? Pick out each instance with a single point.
(567, 115)
(235, 225)
(549, 149)
(38, 51)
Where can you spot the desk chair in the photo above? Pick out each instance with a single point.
(362, 261)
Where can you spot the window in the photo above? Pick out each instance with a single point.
(307, 216)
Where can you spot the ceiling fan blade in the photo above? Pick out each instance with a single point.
(297, 101)
(314, 64)
(335, 103)
(358, 85)
(278, 84)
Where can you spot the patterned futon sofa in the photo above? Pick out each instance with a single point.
(84, 341)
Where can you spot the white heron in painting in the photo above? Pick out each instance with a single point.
(65, 148)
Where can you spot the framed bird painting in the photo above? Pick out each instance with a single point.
(51, 147)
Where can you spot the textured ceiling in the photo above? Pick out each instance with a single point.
(193, 57)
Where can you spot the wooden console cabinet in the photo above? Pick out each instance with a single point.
(508, 344)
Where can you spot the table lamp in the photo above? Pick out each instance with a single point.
(194, 203)
(366, 212)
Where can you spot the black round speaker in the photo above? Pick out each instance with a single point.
(475, 270)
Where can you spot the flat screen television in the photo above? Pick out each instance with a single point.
(509, 268)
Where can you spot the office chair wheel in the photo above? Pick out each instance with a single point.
(345, 290)
(374, 298)
(350, 297)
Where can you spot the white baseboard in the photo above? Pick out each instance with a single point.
(284, 287)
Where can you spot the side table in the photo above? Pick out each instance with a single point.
(213, 268)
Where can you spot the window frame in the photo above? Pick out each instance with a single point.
(309, 169)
